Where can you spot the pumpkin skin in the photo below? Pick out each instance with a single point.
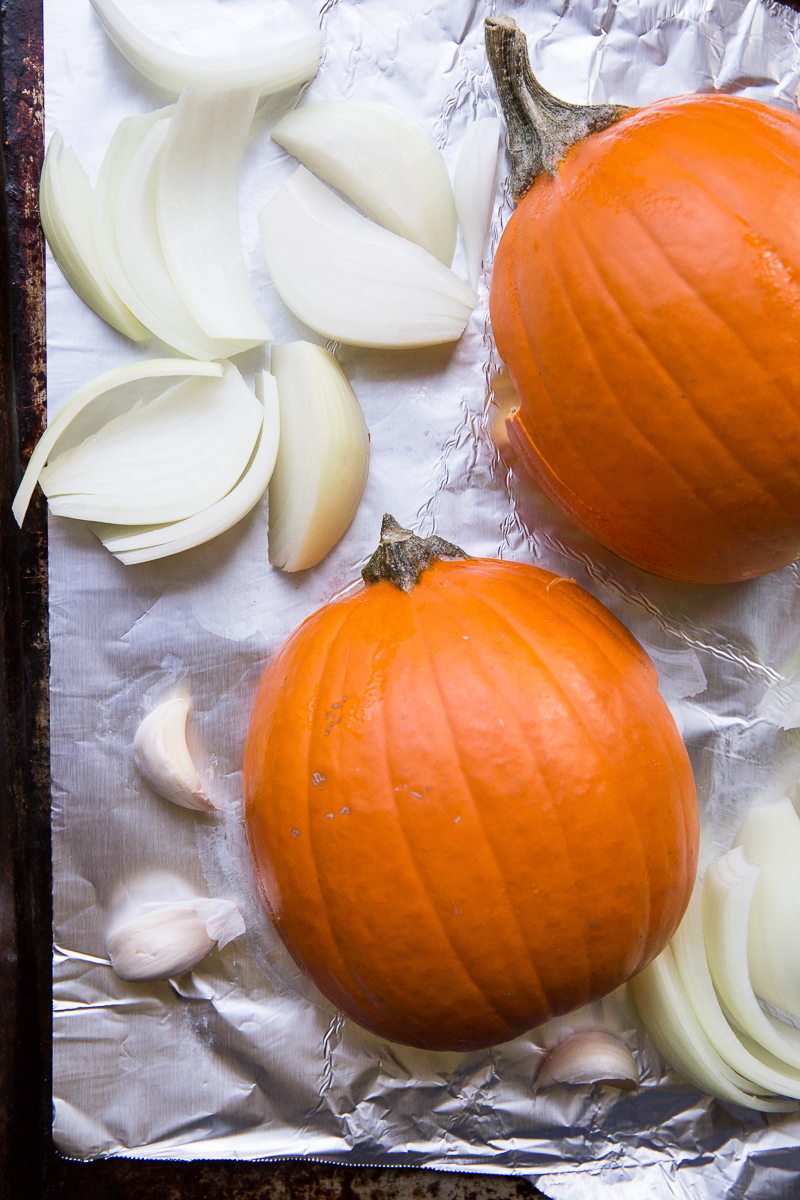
(469, 808)
(646, 299)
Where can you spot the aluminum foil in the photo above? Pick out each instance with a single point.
(242, 1058)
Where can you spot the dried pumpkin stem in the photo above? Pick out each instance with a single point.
(402, 556)
(541, 130)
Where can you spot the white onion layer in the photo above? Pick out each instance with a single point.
(672, 1026)
(163, 462)
(139, 544)
(474, 186)
(323, 458)
(154, 368)
(727, 895)
(66, 204)
(351, 280)
(770, 837)
(197, 204)
(270, 69)
(383, 161)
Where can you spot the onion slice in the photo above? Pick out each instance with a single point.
(727, 895)
(323, 457)
(197, 204)
(154, 368)
(383, 161)
(145, 544)
(770, 837)
(474, 187)
(148, 285)
(351, 280)
(66, 203)
(671, 1024)
(688, 947)
(271, 69)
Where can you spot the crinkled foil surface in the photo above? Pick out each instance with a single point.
(242, 1058)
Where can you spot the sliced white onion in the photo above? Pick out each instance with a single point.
(137, 544)
(591, 1056)
(351, 280)
(323, 457)
(154, 368)
(688, 947)
(66, 203)
(770, 837)
(162, 462)
(150, 291)
(474, 185)
(671, 1024)
(383, 161)
(727, 895)
(197, 202)
(270, 69)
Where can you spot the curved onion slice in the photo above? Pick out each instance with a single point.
(323, 458)
(353, 281)
(139, 544)
(383, 161)
(66, 202)
(474, 187)
(154, 368)
(275, 67)
(670, 1023)
(150, 291)
(197, 203)
(168, 460)
(689, 949)
(770, 837)
(727, 894)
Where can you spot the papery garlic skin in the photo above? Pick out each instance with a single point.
(168, 939)
(383, 161)
(590, 1057)
(197, 207)
(162, 757)
(770, 838)
(323, 457)
(474, 185)
(66, 205)
(271, 69)
(351, 280)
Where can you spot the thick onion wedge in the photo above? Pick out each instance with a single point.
(150, 291)
(727, 895)
(671, 1024)
(66, 203)
(154, 368)
(474, 186)
(271, 69)
(351, 280)
(383, 161)
(323, 458)
(163, 462)
(688, 947)
(197, 204)
(770, 837)
(139, 545)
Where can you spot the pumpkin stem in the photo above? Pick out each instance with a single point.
(402, 556)
(541, 130)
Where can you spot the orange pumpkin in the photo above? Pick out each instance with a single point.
(646, 298)
(468, 806)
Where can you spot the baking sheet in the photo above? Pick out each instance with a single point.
(242, 1058)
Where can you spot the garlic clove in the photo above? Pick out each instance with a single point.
(162, 757)
(168, 939)
(590, 1057)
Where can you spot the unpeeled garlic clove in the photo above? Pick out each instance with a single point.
(590, 1057)
(162, 757)
(170, 938)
